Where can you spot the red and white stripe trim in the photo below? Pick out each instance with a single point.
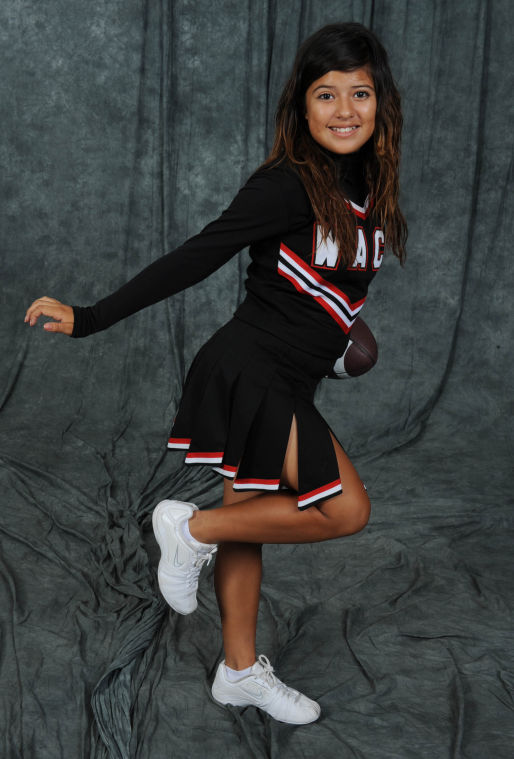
(320, 493)
(306, 280)
(194, 457)
(226, 470)
(256, 484)
(179, 442)
(361, 211)
(251, 483)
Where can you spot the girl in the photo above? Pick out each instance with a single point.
(317, 216)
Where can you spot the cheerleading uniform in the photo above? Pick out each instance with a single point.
(256, 372)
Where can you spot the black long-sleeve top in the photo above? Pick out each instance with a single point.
(297, 287)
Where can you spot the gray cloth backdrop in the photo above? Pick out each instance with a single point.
(126, 126)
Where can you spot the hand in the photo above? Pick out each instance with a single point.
(59, 312)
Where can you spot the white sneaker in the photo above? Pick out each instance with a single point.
(263, 689)
(180, 564)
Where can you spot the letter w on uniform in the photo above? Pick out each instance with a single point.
(327, 252)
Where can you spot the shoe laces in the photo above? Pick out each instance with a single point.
(268, 675)
(202, 557)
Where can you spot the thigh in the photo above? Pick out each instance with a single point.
(239, 553)
(354, 495)
(231, 496)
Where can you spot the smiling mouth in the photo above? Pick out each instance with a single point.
(344, 130)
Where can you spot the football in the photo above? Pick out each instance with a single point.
(361, 353)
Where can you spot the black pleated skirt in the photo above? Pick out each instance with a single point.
(236, 410)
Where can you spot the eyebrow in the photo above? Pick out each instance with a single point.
(353, 87)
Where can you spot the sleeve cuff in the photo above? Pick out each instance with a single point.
(83, 321)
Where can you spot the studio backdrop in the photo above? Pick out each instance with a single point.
(126, 127)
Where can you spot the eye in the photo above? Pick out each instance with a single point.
(325, 96)
(361, 94)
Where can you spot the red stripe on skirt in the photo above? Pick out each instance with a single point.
(194, 454)
(318, 491)
(255, 481)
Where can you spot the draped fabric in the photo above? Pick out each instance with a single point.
(126, 126)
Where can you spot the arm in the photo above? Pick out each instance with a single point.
(258, 211)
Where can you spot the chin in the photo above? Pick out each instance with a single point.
(345, 149)
(348, 145)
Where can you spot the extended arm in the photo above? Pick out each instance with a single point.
(259, 211)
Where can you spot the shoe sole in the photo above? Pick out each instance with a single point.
(243, 706)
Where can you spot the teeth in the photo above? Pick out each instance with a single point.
(344, 130)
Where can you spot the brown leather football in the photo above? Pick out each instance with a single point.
(360, 355)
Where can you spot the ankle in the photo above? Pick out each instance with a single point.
(191, 540)
(240, 662)
(196, 527)
(236, 675)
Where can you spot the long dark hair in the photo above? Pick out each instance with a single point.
(343, 47)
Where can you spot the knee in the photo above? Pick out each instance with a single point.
(346, 516)
(359, 517)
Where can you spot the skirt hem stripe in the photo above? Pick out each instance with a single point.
(204, 458)
(179, 443)
(258, 485)
(225, 470)
(332, 488)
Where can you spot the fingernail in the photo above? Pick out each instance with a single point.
(47, 326)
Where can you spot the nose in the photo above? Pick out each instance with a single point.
(345, 109)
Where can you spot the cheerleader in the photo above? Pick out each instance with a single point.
(317, 217)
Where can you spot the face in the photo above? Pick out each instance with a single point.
(340, 109)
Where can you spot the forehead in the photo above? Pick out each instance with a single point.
(341, 79)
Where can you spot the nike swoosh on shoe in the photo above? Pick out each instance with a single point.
(176, 561)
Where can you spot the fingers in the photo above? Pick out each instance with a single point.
(65, 327)
(35, 306)
(61, 314)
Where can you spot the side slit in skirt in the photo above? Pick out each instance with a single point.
(237, 407)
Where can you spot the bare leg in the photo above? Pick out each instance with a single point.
(275, 517)
(237, 581)
(238, 569)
